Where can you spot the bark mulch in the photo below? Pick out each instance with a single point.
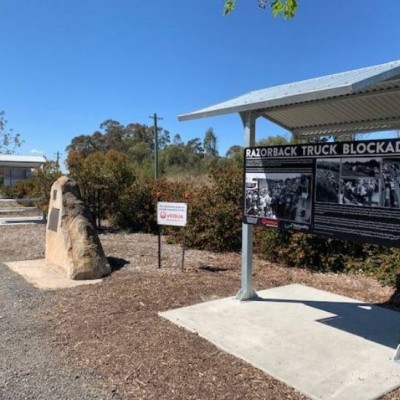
(114, 329)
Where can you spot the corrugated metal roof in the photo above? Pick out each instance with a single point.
(366, 99)
(11, 160)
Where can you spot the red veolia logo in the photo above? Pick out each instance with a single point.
(163, 215)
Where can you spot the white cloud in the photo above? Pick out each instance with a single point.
(35, 151)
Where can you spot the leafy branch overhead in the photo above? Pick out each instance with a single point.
(9, 140)
(285, 8)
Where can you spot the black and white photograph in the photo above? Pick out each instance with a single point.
(391, 183)
(361, 167)
(285, 196)
(327, 180)
(360, 192)
(252, 194)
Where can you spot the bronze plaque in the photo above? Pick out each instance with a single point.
(54, 194)
(53, 219)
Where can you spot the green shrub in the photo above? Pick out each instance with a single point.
(295, 249)
(25, 188)
(138, 203)
(215, 211)
(137, 209)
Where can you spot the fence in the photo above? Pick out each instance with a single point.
(12, 211)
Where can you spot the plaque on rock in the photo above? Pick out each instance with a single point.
(53, 219)
(54, 194)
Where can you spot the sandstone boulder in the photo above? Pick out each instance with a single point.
(72, 243)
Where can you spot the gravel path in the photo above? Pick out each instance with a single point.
(30, 368)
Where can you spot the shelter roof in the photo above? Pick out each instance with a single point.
(362, 100)
(11, 160)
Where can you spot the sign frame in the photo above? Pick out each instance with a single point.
(171, 213)
(342, 190)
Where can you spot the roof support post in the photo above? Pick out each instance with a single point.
(246, 291)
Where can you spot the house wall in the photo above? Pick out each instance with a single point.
(13, 175)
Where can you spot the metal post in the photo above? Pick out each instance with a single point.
(159, 246)
(58, 155)
(156, 174)
(246, 291)
(183, 249)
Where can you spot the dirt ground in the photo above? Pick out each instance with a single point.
(114, 327)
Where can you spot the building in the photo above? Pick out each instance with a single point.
(14, 168)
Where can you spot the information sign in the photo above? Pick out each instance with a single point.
(345, 190)
(174, 214)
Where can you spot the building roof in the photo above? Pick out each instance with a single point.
(362, 100)
(11, 160)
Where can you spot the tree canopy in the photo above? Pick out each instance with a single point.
(285, 8)
(136, 141)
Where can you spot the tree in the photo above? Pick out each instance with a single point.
(177, 141)
(139, 152)
(277, 140)
(102, 177)
(114, 135)
(43, 178)
(210, 143)
(174, 158)
(9, 140)
(164, 138)
(194, 146)
(87, 144)
(286, 8)
(234, 152)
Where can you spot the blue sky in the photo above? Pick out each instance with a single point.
(68, 65)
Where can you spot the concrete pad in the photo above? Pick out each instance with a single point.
(37, 273)
(324, 345)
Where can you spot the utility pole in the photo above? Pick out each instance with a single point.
(58, 155)
(155, 119)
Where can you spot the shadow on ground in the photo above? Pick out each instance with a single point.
(369, 321)
(116, 263)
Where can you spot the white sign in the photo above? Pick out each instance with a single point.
(174, 214)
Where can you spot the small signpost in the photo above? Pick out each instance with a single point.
(172, 214)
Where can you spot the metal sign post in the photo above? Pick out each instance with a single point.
(159, 246)
(183, 250)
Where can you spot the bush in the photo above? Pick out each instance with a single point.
(137, 209)
(215, 211)
(383, 263)
(138, 203)
(25, 188)
(388, 268)
(293, 249)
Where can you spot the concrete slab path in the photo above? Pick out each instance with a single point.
(324, 345)
(37, 273)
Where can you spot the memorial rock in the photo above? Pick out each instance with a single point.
(72, 244)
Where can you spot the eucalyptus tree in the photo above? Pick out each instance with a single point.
(210, 143)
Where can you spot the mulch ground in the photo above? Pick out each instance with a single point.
(114, 327)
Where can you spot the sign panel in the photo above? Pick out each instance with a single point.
(174, 214)
(347, 190)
